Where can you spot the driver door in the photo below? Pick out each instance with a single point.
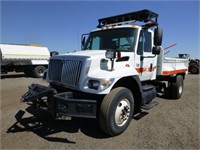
(146, 67)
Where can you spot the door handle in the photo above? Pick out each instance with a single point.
(151, 67)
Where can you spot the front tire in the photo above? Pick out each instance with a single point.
(116, 111)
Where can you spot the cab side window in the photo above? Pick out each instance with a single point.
(145, 42)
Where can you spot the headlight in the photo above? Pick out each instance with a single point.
(99, 85)
(105, 83)
(93, 84)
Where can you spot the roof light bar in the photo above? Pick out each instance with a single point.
(142, 16)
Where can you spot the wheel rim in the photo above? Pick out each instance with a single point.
(180, 90)
(122, 112)
(40, 72)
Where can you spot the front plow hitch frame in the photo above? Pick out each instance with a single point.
(37, 91)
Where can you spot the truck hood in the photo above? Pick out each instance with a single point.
(89, 53)
(75, 70)
(96, 62)
(95, 57)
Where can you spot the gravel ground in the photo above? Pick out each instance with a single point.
(172, 124)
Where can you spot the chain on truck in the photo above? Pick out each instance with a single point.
(119, 72)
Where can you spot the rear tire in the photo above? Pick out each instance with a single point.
(176, 88)
(116, 111)
(38, 71)
(194, 69)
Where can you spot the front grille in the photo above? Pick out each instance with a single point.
(71, 72)
(55, 70)
(67, 72)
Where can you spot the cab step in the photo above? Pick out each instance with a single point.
(149, 105)
(147, 87)
(148, 94)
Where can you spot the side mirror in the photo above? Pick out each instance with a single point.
(83, 39)
(158, 34)
(156, 50)
(83, 42)
(54, 53)
(110, 54)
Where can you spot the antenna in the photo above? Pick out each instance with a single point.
(169, 47)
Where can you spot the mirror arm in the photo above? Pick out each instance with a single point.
(112, 64)
(142, 57)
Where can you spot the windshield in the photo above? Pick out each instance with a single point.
(120, 39)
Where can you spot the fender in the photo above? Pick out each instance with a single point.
(115, 75)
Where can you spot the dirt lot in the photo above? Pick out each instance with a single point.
(172, 124)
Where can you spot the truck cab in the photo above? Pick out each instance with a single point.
(131, 43)
(132, 47)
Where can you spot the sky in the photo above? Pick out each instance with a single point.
(59, 25)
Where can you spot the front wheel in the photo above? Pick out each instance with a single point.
(116, 111)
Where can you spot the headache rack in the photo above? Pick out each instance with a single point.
(142, 16)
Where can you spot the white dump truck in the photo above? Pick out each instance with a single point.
(119, 72)
(30, 59)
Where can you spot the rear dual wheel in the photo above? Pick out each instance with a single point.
(116, 111)
(38, 71)
(176, 88)
(35, 71)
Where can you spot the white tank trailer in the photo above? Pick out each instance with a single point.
(31, 59)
